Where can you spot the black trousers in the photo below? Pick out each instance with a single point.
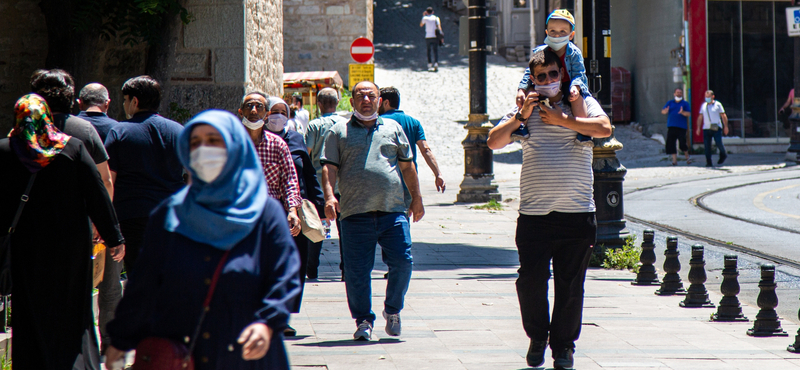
(302, 246)
(567, 239)
(673, 134)
(133, 231)
(433, 44)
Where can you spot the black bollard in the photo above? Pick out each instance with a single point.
(729, 307)
(647, 272)
(795, 347)
(697, 295)
(767, 323)
(671, 284)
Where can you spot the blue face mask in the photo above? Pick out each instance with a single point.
(708, 100)
(556, 43)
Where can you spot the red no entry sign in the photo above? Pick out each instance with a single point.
(362, 50)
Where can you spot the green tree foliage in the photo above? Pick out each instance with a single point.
(133, 21)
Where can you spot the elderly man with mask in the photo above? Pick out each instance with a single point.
(276, 159)
(371, 157)
(278, 112)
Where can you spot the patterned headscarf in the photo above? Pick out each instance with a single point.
(34, 138)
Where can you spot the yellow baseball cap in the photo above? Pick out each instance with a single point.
(561, 14)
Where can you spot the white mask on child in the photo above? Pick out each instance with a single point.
(556, 43)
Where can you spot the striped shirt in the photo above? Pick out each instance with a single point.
(556, 170)
(279, 171)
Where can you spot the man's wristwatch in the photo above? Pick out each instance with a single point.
(519, 117)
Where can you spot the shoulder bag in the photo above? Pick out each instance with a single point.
(714, 126)
(154, 353)
(5, 243)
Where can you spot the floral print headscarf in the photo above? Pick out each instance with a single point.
(34, 138)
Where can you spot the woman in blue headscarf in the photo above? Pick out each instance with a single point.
(224, 212)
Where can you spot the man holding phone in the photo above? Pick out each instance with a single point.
(431, 24)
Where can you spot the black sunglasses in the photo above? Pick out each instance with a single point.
(542, 77)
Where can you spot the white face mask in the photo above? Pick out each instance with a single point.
(276, 122)
(556, 43)
(252, 125)
(362, 117)
(208, 162)
(678, 98)
(550, 90)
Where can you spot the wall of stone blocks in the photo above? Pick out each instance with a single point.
(318, 33)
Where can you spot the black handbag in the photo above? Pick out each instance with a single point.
(440, 37)
(5, 243)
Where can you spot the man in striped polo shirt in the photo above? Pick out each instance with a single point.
(557, 210)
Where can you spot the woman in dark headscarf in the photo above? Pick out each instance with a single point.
(277, 117)
(224, 211)
(51, 248)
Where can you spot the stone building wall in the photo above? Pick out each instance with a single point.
(318, 33)
(231, 47)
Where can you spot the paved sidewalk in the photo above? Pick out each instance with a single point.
(462, 311)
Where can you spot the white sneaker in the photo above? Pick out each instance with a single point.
(364, 331)
(393, 326)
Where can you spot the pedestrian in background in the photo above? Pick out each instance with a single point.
(371, 158)
(390, 108)
(51, 247)
(143, 159)
(307, 183)
(431, 23)
(714, 123)
(301, 115)
(678, 112)
(327, 101)
(226, 218)
(93, 102)
(556, 212)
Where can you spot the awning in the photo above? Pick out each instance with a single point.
(325, 77)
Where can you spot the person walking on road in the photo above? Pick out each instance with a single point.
(678, 112)
(371, 158)
(327, 101)
(432, 24)
(557, 212)
(223, 221)
(145, 168)
(714, 122)
(390, 108)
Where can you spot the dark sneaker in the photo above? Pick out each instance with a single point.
(289, 332)
(535, 356)
(312, 273)
(564, 359)
(364, 331)
(393, 327)
(722, 159)
(708, 164)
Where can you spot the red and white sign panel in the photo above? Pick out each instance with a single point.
(362, 50)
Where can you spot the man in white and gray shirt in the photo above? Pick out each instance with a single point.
(557, 210)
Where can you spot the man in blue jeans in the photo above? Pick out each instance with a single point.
(371, 157)
(714, 122)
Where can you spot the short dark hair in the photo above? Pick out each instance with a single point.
(543, 58)
(93, 95)
(429, 10)
(56, 86)
(297, 98)
(391, 94)
(144, 88)
(353, 90)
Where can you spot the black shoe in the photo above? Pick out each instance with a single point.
(722, 159)
(535, 356)
(563, 359)
(312, 273)
(708, 164)
(289, 332)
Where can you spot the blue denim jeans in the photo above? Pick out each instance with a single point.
(361, 232)
(717, 136)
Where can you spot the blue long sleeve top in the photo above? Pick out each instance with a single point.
(165, 292)
(574, 66)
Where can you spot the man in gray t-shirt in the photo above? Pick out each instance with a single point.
(557, 211)
(371, 157)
